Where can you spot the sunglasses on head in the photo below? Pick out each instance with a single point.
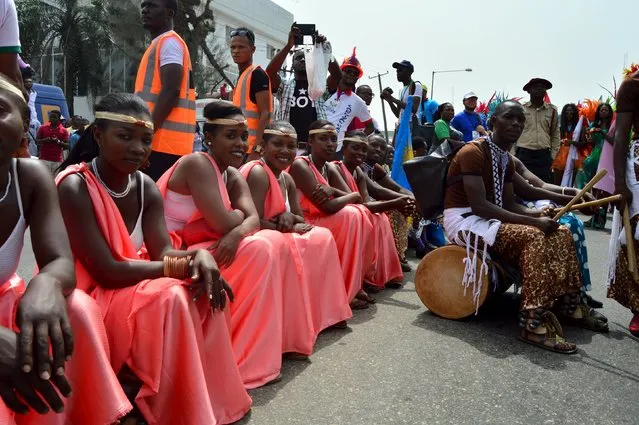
(243, 33)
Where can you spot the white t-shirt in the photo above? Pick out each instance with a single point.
(32, 106)
(9, 30)
(405, 94)
(342, 111)
(171, 51)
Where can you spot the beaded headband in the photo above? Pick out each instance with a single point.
(4, 84)
(225, 121)
(322, 131)
(280, 133)
(354, 139)
(123, 118)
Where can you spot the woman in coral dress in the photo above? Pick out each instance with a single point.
(387, 270)
(49, 312)
(326, 206)
(209, 205)
(163, 309)
(313, 248)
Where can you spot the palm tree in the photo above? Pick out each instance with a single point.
(33, 22)
(77, 31)
(195, 22)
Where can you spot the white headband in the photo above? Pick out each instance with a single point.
(280, 133)
(354, 139)
(225, 121)
(122, 118)
(322, 131)
(4, 84)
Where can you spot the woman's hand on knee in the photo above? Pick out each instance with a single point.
(43, 322)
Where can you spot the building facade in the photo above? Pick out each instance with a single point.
(270, 22)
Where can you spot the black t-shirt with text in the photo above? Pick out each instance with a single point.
(302, 110)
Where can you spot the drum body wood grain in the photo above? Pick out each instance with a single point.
(438, 282)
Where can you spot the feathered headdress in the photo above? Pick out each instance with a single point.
(353, 62)
(588, 109)
(486, 109)
(631, 69)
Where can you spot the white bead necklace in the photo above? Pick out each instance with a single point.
(6, 189)
(111, 192)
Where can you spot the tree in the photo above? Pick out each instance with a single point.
(34, 22)
(80, 37)
(195, 22)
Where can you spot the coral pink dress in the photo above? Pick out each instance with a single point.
(255, 277)
(179, 349)
(97, 395)
(349, 227)
(387, 268)
(320, 278)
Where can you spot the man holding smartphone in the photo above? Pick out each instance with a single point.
(295, 103)
(52, 138)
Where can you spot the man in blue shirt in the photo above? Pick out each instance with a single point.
(469, 121)
(429, 106)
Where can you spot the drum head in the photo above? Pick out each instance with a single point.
(438, 282)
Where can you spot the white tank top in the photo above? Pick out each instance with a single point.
(137, 235)
(288, 205)
(178, 208)
(12, 248)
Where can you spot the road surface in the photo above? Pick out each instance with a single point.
(399, 364)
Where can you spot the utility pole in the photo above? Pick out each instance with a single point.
(379, 80)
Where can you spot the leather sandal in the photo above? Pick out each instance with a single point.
(358, 304)
(593, 302)
(552, 340)
(373, 289)
(363, 296)
(590, 320)
(394, 284)
(406, 268)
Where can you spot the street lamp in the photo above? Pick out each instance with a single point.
(432, 81)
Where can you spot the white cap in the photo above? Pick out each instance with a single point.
(469, 95)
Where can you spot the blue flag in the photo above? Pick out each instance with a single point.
(403, 146)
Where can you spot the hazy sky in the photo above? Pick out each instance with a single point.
(576, 44)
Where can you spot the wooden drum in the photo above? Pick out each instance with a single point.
(438, 281)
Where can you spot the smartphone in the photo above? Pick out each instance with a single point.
(305, 30)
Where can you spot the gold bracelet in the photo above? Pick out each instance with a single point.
(177, 267)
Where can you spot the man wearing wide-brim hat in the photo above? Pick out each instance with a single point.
(540, 141)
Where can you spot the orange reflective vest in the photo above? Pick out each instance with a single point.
(242, 99)
(176, 135)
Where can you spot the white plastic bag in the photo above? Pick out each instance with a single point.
(317, 59)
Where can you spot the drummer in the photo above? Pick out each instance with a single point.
(481, 213)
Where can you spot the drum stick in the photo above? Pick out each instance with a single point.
(581, 193)
(630, 245)
(596, 203)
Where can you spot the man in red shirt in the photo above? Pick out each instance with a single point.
(52, 139)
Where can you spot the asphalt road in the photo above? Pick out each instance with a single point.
(399, 364)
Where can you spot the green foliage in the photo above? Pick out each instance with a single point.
(33, 21)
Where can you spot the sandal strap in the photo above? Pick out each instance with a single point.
(552, 325)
